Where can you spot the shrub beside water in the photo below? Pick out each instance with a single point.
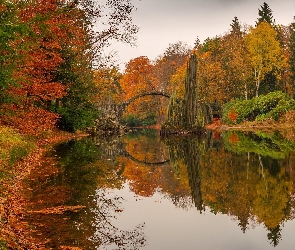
(270, 106)
(131, 120)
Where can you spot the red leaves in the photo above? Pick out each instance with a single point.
(233, 139)
(46, 91)
(32, 120)
(52, 27)
(233, 115)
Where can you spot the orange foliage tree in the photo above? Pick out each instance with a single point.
(139, 78)
(55, 47)
(39, 51)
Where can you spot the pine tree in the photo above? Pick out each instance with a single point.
(268, 84)
(265, 15)
(235, 27)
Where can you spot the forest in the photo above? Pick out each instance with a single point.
(246, 74)
(54, 73)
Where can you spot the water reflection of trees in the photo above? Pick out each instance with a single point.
(146, 179)
(251, 179)
(247, 176)
(185, 151)
(74, 171)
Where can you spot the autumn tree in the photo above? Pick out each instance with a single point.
(234, 58)
(211, 84)
(166, 65)
(284, 83)
(39, 53)
(98, 25)
(269, 83)
(107, 82)
(139, 78)
(108, 21)
(265, 52)
(10, 31)
(178, 81)
(48, 52)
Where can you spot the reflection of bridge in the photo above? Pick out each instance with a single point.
(129, 156)
(117, 149)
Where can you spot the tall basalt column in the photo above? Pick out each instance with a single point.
(190, 108)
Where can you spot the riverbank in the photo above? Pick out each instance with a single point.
(14, 232)
(285, 126)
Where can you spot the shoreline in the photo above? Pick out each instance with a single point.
(285, 128)
(14, 233)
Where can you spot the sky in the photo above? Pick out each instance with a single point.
(164, 22)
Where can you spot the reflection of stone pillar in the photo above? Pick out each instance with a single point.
(192, 160)
(188, 150)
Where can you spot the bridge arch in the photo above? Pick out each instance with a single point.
(159, 93)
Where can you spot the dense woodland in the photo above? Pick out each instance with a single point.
(49, 53)
(54, 72)
(242, 64)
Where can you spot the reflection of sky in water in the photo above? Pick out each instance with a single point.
(168, 227)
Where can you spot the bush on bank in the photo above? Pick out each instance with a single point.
(270, 106)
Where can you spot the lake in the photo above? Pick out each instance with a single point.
(228, 190)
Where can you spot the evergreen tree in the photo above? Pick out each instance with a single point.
(268, 84)
(197, 43)
(235, 27)
(274, 235)
(265, 15)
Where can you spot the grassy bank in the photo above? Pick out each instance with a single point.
(13, 147)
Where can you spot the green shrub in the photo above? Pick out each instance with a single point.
(76, 118)
(131, 120)
(268, 103)
(282, 107)
(244, 108)
(270, 106)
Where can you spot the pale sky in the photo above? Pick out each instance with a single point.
(162, 22)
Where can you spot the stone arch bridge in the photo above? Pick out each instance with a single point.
(118, 109)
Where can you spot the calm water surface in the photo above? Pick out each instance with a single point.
(218, 191)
